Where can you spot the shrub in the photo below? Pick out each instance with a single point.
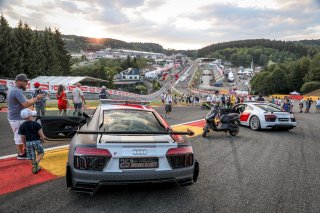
(310, 86)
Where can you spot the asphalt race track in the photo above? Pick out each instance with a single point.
(264, 171)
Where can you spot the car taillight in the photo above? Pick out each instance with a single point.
(91, 158)
(180, 157)
(270, 118)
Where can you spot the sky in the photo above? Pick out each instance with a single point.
(175, 24)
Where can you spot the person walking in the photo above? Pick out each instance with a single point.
(40, 105)
(301, 105)
(307, 105)
(32, 137)
(62, 100)
(168, 106)
(318, 106)
(78, 99)
(17, 101)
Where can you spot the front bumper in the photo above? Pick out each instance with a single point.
(91, 181)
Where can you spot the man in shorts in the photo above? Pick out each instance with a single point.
(17, 101)
(32, 137)
(78, 98)
(168, 106)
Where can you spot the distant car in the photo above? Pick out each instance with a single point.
(123, 142)
(262, 115)
(3, 93)
(218, 84)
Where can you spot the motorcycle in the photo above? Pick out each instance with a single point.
(205, 105)
(221, 120)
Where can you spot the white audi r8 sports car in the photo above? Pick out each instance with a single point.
(263, 115)
(123, 142)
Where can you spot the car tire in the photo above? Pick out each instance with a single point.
(254, 123)
(205, 130)
(2, 98)
(235, 131)
(68, 177)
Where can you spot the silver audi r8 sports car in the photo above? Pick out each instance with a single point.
(122, 142)
(263, 115)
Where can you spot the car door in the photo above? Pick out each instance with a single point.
(61, 128)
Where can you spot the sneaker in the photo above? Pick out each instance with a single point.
(35, 167)
(22, 156)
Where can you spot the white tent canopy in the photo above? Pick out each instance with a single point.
(65, 80)
(294, 93)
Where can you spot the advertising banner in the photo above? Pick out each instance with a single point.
(3, 82)
(71, 88)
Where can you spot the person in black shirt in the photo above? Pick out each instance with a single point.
(32, 137)
(260, 98)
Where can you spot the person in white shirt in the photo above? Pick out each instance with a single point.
(318, 105)
(78, 98)
(214, 99)
(168, 106)
(208, 99)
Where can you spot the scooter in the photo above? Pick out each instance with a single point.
(205, 105)
(221, 120)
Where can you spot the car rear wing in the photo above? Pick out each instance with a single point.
(170, 132)
(117, 101)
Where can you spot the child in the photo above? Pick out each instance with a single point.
(31, 136)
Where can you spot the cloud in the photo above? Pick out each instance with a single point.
(171, 22)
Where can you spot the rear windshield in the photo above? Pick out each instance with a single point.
(268, 108)
(130, 121)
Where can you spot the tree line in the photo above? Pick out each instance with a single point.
(32, 52)
(302, 75)
(294, 48)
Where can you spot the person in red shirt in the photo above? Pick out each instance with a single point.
(62, 100)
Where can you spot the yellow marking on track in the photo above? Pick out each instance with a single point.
(54, 161)
(197, 130)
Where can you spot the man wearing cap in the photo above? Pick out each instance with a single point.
(17, 101)
(40, 105)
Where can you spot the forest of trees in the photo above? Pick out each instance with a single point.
(302, 75)
(31, 52)
(77, 43)
(260, 51)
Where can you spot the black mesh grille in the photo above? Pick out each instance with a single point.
(90, 163)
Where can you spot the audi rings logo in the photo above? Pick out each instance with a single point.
(140, 152)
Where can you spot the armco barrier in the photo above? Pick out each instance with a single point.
(90, 93)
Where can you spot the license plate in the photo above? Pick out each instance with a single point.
(138, 163)
(283, 119)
